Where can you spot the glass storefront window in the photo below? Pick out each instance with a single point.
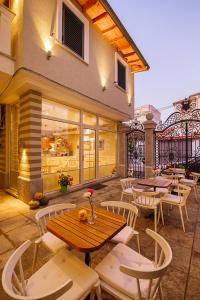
(89, 119)
(107, 124)
(59, 111)
(107, 153)
(60, 152)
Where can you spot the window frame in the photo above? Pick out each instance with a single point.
(59, 28)
(120, 59)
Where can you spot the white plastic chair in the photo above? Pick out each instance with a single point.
(178, 200)
(148, 200)
(130, 212)
(63, 277)
(42, 217)
(128, 275)
(127, 184)
(192, 183)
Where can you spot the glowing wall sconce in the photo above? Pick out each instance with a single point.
(48, 47)
(103, 88)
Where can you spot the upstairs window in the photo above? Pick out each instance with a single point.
(72, 31)
(121, 75)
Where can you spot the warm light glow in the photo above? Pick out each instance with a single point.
(129, 99)
(48, 45)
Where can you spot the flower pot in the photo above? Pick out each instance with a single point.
(44, 201)
(63, 188)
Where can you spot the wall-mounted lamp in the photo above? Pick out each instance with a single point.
(49, 54)
(103, 88)
(48, 47)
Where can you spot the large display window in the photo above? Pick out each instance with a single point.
(66, 139)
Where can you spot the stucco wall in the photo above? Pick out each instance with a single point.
(63, 67)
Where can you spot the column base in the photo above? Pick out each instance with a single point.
(148, 172)
(27, 188)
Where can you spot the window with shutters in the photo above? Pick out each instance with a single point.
(121, 72)
(121, 75)
(73, 29)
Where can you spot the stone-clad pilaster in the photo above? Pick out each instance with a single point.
(30, 179)
(149, 127)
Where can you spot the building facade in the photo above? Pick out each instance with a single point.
(66, 84)
(142, 111)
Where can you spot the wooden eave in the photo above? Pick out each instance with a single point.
(103, 16)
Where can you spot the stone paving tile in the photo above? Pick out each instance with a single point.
(13, 223)
(182, 279)
(23, 233)
(5, 244)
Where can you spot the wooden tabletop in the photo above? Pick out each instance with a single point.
(160, 183)
(83, 236)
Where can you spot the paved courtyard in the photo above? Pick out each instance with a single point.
(182, 280)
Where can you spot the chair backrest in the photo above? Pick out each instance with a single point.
(145, 199)
(174, 178)
(127, 183)
(15, 284)
(195, 176)
(129, 211)
(49, 212)
(155, 273)
(183, 192)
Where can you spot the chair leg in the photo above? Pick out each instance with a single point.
(155, 228)
(97, 288)
(186, 212)
(161, 211)
(138, 242)
(182, 221)
(160, 292)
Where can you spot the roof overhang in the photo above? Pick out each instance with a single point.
(103, 16)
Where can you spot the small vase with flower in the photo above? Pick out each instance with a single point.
(89, 196)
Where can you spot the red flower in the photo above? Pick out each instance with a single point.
(90, 191)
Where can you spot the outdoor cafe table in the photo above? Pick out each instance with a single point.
(83, 236)
(154, 182)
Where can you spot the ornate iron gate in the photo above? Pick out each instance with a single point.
(135, 147)
(177, 141)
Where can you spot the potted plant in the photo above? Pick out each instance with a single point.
(65, 181)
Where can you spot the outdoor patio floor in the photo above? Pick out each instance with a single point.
(182, 280)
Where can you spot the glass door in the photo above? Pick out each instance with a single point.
(89, 154)
(14, 158)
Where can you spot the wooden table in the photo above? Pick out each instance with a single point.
(155, 183)
(83, 236)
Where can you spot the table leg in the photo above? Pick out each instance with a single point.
(87, 259)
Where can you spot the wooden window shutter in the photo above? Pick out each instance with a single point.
(121, 69)
(72, 31)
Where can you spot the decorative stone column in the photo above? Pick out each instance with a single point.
(30, 180)
(122, 150)
(149, 127)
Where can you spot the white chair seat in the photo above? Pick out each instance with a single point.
(190, 182)
(52, 242)
(172, 198)
(124, 236)
(57, 271)
(137, 189)
(162, 190)
(108, 270)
